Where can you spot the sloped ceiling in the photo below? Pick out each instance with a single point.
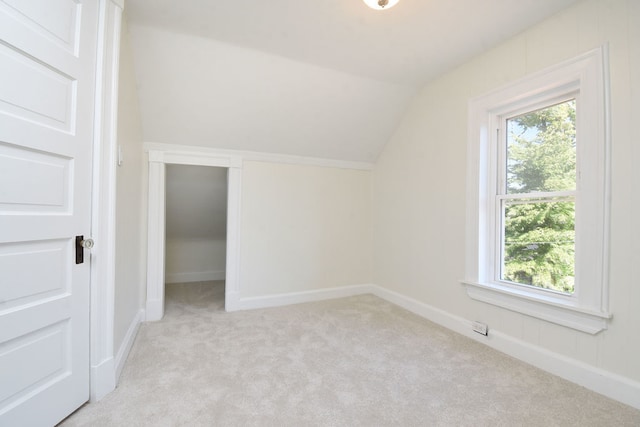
(324, 78)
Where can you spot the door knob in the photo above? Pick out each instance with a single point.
(81, 245)
(87, 243)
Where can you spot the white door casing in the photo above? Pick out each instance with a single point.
(103, 367)
(47, 84)
(158, 159)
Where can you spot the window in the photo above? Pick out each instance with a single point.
(535, 201)
(537, 215)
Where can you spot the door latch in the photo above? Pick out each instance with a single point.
(81, 245)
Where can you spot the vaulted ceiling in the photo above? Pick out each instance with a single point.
(324, 78)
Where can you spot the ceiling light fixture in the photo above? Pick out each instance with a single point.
(381, 4)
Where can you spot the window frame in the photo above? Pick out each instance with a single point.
(583, 78)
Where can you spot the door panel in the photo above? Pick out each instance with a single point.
(55, 20)
(50, 92)
(51, 341)
(47, 83)
(50, 278)
(55, 23)
(40, 182)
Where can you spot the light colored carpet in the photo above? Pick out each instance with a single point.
(356, 361)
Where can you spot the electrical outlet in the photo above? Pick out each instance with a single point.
(481, 328)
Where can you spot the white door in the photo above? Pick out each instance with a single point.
(47, 79)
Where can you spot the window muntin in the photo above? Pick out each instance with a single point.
(536, 198)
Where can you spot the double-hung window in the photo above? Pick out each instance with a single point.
(537, 220)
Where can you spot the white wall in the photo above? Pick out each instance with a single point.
(131, 230)
(419, 184)
(195, 260)
(303, 228)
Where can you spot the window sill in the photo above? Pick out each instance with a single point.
(551, 308)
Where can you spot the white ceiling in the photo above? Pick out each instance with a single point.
(324, 78)
(408, 44)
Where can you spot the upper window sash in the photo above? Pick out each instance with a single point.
(541, 102)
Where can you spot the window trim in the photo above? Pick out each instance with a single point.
(584, 78)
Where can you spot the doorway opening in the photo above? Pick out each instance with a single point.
(195, 234)
(164, 165)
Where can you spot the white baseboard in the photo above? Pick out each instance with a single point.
(105, 375)
(606, 383)
(102, 379)
(127, 343)
(198, 276)
(301, 297)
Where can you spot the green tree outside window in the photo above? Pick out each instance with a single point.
(539, 232)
